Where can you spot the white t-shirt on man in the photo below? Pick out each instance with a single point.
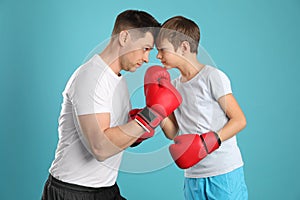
(93, 88)
(200, 112)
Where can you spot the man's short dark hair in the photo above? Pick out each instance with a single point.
(135, 19)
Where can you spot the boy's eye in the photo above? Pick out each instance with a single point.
(146, 49)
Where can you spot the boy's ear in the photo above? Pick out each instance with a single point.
(185, 47)
(124, 37)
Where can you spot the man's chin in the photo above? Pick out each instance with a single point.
(133, 69)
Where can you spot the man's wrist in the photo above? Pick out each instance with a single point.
(148, 117)
(143, 125)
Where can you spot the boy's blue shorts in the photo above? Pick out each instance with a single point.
(229, 186)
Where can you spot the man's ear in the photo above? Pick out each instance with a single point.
(185, 47)
(124, 37)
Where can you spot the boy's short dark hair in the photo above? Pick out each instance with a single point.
(179, 29)
(141, 21)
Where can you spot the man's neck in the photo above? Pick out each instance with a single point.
(110, 56)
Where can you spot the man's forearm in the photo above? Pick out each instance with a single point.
(106, 142)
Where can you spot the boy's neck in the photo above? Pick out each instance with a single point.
(190, 70)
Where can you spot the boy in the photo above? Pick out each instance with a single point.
(208, 118)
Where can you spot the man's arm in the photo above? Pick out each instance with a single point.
(169, 126)
(105, 141)
(237, 120)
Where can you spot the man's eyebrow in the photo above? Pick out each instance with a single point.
(149, 46)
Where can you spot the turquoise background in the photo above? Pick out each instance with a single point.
(255, 42)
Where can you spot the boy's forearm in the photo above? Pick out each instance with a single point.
(232, 128)
(237, 119)
(169, 127)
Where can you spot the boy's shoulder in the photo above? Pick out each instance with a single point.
(213, 71)
(210, 69)
(207, 71)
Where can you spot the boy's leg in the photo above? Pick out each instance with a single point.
(229, 186)
(194, 189)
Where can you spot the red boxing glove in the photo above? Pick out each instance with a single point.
(131, 116)
(189, 149)
(162, 98)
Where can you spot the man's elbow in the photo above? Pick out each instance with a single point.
(100, 154)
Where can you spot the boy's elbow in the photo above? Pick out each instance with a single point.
(243, 123)
(170, 137)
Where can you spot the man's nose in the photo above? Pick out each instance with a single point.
(146, 57)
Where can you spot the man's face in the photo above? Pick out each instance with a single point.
(167, 54)
(137, 52)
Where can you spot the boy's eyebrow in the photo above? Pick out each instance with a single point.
(159, 47)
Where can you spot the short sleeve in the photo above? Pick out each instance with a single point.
(219, 84)
(90, 94)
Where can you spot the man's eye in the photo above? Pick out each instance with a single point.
(146, 49)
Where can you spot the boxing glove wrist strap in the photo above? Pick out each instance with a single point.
(218, 138)
(148, 119)
(211, 141)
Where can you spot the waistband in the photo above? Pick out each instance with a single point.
(55, 182)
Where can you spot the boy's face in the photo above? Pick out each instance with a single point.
(137, 52)
(167, 54)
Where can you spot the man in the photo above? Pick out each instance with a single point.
(93, 128)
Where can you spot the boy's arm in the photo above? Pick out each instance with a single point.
(169, 126)
(190, 149)
(237, 120)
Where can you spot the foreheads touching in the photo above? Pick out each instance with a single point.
(177, 30)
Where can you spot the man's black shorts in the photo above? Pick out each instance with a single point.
(57, 190)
